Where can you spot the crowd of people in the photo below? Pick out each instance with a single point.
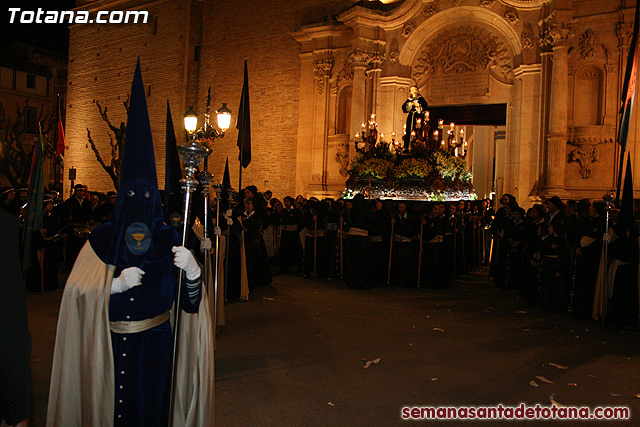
(550, 253)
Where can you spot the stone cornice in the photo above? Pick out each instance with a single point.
(361, 16)
(525, 4)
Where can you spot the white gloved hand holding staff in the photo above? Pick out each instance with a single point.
(184, 259)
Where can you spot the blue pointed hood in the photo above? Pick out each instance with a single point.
(135, 233)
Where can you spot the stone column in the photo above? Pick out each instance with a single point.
(322, 73)
(559, 103)
(360, 59)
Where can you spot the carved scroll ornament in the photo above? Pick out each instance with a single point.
(462, 49)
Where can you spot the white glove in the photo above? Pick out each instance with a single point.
(217, 231)
(205, 244)
(129, 277)
(229, 221)
(184, 259)
(228, 213)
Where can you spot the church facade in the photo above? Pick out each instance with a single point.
(534, 84)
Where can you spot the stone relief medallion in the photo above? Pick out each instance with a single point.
(487, 3)
(408, 28)
(429, 11)
(459, 62)
(588, 44)
(556, 35)
(511, 16)
(457, 2)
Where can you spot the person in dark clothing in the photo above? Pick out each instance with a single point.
(102, 213)
(588, 261)
(15, 341)
(290, 245)
(361, 219)
(7, 196)
(379, 247)
(404, 256)
(258, 269)
(554, 285)
(77, 211)
(314, 221)
(433, 273)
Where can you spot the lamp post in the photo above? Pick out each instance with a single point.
(192, 153)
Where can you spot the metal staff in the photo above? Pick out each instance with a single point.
(205, 180)
(420, 252)
(216, 266)
(390, 253)
(341, 249)
(605, 288)
(315, 247)
(226, 252)
(192, 155)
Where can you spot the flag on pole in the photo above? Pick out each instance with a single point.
(226, 178)
(629, 85)
(60, 143)
(33, 214)
(243, 123)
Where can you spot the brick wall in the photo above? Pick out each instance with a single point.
(102, 60)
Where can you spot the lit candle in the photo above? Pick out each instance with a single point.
(393, 135)
(442, 143)
(461, 132)
(426, 115)
(452, 125)
(435, 133)
(440, 123)
(373, 117)
(382, 137)
(357, 136)
(364, 126)
(418, 123)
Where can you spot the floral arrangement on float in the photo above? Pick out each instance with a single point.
(430, 170)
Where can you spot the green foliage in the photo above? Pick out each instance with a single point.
(413, 168)
(371, 167)
(450, 167)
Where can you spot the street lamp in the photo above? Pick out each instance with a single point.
(190, 121)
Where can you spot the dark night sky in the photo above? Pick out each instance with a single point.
(53, 37)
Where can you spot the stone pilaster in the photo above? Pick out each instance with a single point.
(557, 135)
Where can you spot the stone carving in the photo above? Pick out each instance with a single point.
(429, 11)
(342, 157)
(357, 58)
(610, 68)
(465, 48)
(377, 59)
(585, 159)
(487, 3)
(511, 16)
(624, 33)
(570, 70)
(408, 28)
(556, 35)
(393, 56)
(588, 44)
(322, 71)
(457, 2)
(526, 39)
